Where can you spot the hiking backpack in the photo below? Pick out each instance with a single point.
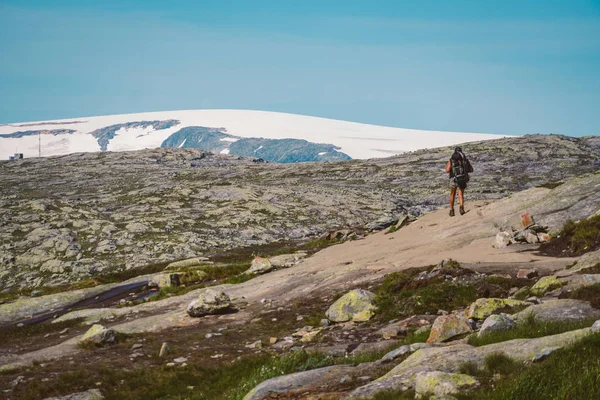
(460, 169)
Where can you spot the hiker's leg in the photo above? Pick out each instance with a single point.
(452, 196)
(461, 197)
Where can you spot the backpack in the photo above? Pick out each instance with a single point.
(460, 169)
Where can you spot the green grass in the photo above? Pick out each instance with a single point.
(400, 295)
(583, 235)
(530, 328)
(572, 373)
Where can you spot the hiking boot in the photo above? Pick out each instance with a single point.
(461, 210)
(452, 212)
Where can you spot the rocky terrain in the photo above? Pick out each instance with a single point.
(429, 306)
(69, 218)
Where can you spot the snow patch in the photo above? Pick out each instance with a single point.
(355, 139)
(260, 147)
(182, 143)
(225, 151)
(322, 153)
(229, 140)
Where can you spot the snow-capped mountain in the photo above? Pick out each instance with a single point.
(242, 132)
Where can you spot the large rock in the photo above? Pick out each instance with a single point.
(260, 266)
(483, 308)
(442, 383)
(356, 305)
(545, 284)
(502, 240)
(451, 358)
(527, 273)
(166, 280)
(495, 323)
(190, 262)
(316, 380)
(590, 279)
(448, 326)
(99, 335)
(567, 310)
(209, 302)
(92, 394)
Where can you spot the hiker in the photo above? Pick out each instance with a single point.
(459, 168)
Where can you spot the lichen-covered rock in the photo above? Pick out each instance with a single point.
(502, 240)
(400, 328)
(356, 305)
(443, 383)
(567, 310)
(403, 350)
(588, 260)
(209, 302)
(545, 284)
(448, 326)
(99, 335)
(260, 266)
(483, 308)
(166, 280)
(190, 262)
(92, 394)
(495, 323)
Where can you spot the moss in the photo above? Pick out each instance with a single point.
(545, 284)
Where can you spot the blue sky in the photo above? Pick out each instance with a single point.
(480, 66)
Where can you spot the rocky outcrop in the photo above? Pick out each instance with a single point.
(567, 310)
(356, 305)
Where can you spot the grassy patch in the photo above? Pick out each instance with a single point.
(588, 293)
(530, 328)
(225, 382)
(571, 373)
(575, 238)
(12, 334)
(401, 295)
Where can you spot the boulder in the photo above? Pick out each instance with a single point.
(209, 302)
(483, 308)
(374, 347)
(448, 326)
(543, 237)
(502, 240)
(527, 273)
(596, 327)
(190, 262)
(442, 383)
(260, 266)
(530, 237)
(567, 310)
(495, 323)
(165, 280)
(545, 284)
(356, 305)
(92, 394)
(99, 335)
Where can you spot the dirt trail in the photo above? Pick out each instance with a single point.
(432, 238)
